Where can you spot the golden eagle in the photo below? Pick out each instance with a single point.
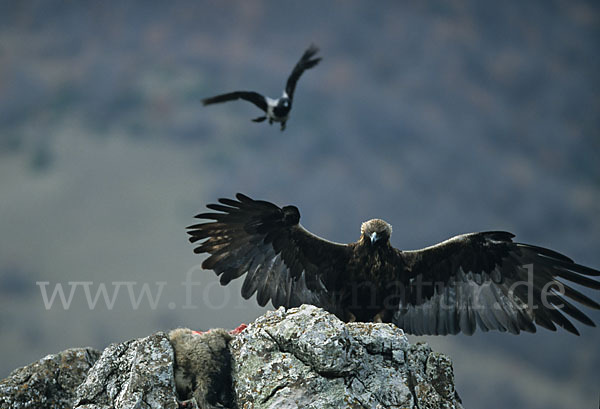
(472, 280)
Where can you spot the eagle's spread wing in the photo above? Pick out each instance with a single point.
(487, 280)
(303, 64)
(254, 97)
(283, 262)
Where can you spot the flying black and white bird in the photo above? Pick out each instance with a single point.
(276, 110)
(472, 280)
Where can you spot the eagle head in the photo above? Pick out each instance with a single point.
(376, 231)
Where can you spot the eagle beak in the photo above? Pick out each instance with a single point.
(374, 237)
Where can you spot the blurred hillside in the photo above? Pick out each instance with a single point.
(441, 117)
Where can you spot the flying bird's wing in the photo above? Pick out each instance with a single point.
(306, 62)
(487, 280)
(283, 262)
(254, 97)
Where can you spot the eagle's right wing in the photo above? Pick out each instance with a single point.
(254, 97)
(488, 281)
(283, 261)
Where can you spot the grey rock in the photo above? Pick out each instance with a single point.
(307, 358)
(300, 358)
(134, 374)
(49, 382)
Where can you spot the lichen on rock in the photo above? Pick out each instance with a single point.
(300, 358)
(307, 358)
(133, 374)
(48, 383)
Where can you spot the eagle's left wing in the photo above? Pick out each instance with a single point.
(487, 280)
(283, 262)
(306, 62)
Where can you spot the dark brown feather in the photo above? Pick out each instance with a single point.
(478, 280)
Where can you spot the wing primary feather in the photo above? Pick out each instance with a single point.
(562, 304)
(578, 278)
(545, 252)
(542, 320)
(230, 202)
(220, 208)
(561, 320)
(243, 198)
(579, 297)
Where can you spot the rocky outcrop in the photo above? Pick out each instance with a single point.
(300, 358)
(307, 358)
(133, 374)
(50, 382)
